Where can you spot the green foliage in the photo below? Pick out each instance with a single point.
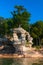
(3, 25)
(21, 17)
(37, 32)
(38, 47)
(42, 41)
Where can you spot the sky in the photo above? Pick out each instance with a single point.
(35, 7)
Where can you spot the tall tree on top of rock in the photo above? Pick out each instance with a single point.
(21, 17)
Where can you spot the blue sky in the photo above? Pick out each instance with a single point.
(35, 7)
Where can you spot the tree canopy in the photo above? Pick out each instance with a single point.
(21, 17)
(37, 32)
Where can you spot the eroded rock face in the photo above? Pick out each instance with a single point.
(21, 36)
(1, 47)
(15, 37)
(8, 49)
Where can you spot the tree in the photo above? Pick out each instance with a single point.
(37, 32)
(21, 17)
(1, 26)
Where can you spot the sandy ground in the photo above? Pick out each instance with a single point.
(21, 56)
